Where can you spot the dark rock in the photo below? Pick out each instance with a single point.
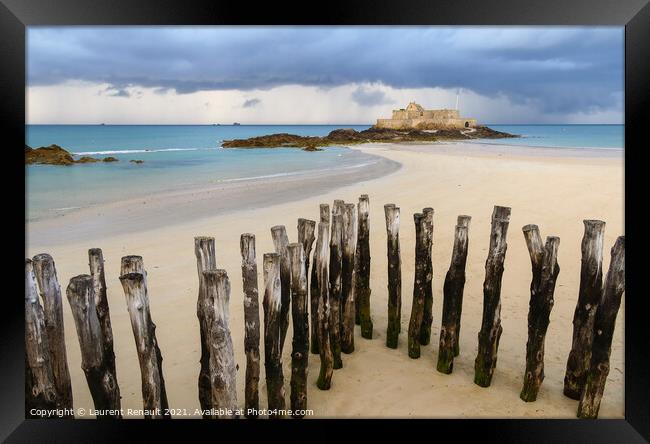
(48, 155)
(311, 148)
(136, 161)
(87, 159)
(110, 159)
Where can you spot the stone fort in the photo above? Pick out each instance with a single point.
(416, 117)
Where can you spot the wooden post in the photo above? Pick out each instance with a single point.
(604, 325)
(348, 277)
(394, 275)
(300, 318)
(272, 351)
(132, 264)
(314, 288)
(335, 264)
(542, 287)
(427, 313)
(453, 298)
(251, 324)
(96, 264)
(223, 370)
(589, 296)
(204, 249)
(326, 359)
(421, 269)
(362, 269)
(101, 382)
(40, 387)
(154, 396)
(50, 291)
(490, 333)
(280, 241)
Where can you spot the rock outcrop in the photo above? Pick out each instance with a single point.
(349, 136)
(136, 161)
(55, 155)
(110, 159)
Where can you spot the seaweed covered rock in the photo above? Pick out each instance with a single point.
(48, 155)
(136, 161)
(110, 159)
(87, 159)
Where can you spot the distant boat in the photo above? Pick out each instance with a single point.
(102, 124)
(236, 124)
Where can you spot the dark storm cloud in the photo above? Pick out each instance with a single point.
(553, 69)
(250, 103)
(369, 97)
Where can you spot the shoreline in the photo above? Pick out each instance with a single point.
(555, 192)
(176, 206)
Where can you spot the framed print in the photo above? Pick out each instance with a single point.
(389, 213)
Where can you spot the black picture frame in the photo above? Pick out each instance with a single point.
(16, 15)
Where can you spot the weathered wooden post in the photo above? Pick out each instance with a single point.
(300, 318)
(50, 291)
(101, 382)
(490, 333)
(154, 396)
(326, 359)
(589, 295)
(223, 370)
(427, 313)
(545, 272)
(96, 264)
(604, 325)
(132, 264)
(280, 241)
(313, 286)
(362, 269)
(391, 213)
(272, 351)
(335, 294)
(453, 298)
(348, 298)
(417, 309)
(40, 387)
(251, 324)
(204, 249)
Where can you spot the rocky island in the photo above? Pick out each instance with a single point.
(374, 134)
(410, 124)
(55, 155)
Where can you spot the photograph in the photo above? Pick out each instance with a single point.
(296, 221)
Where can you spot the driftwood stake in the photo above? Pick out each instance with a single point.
(251, 324)
(362, 269)
(335, 293)
(101, 382)
(545, 272)
(154, 396)
(300, 318)
(223, 370)
(50, 292)
(272, 351)
(490, 333)
(326, 359)
(427, 313)
(96, 264)
(604, 325)
(348, 298)
(40, 388)
(591, 280)
(132, 264)
(204, 249)
(281, 241)
(421, 268)
(314, 286)
(453, 298)
(394, 275)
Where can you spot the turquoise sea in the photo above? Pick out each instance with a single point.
(177, 156)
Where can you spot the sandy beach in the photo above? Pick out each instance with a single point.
(553, 188)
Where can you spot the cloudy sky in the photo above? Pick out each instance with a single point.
(266, 75)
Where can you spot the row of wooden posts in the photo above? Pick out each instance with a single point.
(332, 300)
